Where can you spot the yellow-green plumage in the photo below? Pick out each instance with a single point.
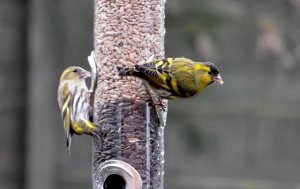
(172, 78)
(73, 101)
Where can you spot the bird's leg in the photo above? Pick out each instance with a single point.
(161, 104)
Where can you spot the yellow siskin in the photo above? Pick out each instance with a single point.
(172, 78)
(73, 101)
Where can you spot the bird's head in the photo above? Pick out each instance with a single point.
(210, 74)
(74, 73)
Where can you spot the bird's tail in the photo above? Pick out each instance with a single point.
(126, 71)
(69, 142)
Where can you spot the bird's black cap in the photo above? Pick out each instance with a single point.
(213, 68)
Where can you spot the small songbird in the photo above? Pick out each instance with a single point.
(73, 101)
(172, 78)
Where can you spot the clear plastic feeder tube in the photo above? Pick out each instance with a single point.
(127, 32)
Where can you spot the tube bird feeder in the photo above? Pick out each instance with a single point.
(130, 150)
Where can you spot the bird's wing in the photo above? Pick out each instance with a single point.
(156, 73)
(66, 101)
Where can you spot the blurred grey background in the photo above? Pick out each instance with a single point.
(242, 135)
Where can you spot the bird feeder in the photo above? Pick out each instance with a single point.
(130, 150)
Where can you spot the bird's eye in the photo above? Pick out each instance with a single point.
(75, 70)
(210, 73)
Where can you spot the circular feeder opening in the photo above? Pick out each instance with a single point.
(114, 181)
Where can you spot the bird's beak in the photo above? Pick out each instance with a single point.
(84, 74)
(218, 79)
